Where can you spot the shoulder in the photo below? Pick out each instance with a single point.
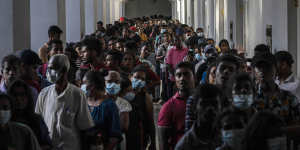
(123, 105)
(46, 90)
(21, 128)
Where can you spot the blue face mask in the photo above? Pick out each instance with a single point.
(112, 88)
(198, 57)
(129, 96)
(242, 101)
(138, 84)
(86, 92)
(232, 138)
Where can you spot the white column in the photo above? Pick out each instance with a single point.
(72, 20)
(107, 11)
(41, 19)
(6, 27)
(230, 20)
(210, 18)
(298, 43)
(189, 12)
(90, 23)
(112, 10)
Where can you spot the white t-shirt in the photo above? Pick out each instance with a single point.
(65, 115)
(123, 105)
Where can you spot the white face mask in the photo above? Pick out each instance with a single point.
(233, 138)
(200, 34)
(5, 116)
(53, 76)
(278, 143)
(242, 101)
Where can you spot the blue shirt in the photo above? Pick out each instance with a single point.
(106, 118)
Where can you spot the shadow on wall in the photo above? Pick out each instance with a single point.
(139, 8)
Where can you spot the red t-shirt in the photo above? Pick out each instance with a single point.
(172, 115)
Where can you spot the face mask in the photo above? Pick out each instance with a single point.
(53, 76)
(277, 143)
(137, 84)
(129, 96)
(84, 89)
(198, 57)
(232, 138)
(162, 31)
(112, 88)
(5, 116)
(242, 101)
(200, 34)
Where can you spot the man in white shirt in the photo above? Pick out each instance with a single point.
(285, 77)
(63, 106)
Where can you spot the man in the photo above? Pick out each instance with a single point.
(269, 96)
(261, 48)
(54, 33)
(172, 114)
(202, 135)
(10, 70)
(286, 80)
(63, 106)
(174, 56)
(29, 64)
(92, 53)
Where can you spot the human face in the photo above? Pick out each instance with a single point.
(119, 47)
(10, 72)
(139, 75)
(224, 47)
(109, 62)
(56, 49)
(128, 61)
(212, 75)
(283, 68)
(242, 88)
(29, 71)
(207, 111)
(224, 71)
(113, 77)
(21, 98)
(178, 43)
(111, 45)
(54, 37)
(88, 54)
(211, 42)
(184, 79)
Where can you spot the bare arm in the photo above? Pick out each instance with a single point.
(124, 121)
(163, 136)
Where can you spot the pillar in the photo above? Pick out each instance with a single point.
(90, 23)
(6, 27)
(40, 20)
(190, 12)
(73, 20)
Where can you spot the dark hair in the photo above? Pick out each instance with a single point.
(262, 48)
(230, 58)
(223, 41)
(284, 56)
(100, 22)
(29, 110)
(10, 59)
(97, 78)
(240, 77)
(92, 44)
(54, 30)
(125, 83)
(264, 58)
(186, 65)
(139, 68)
(230, 112)
(204, 91)
(29, 57)
(208, 71)
(116, 56)
(258, 129)
(6, 96)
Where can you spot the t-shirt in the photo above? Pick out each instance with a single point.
(123, 105)
(172, 115)
(18, 137)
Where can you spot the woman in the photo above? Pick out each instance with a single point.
(103, 110)
(14, 135)
(23, 106)
(127, 64)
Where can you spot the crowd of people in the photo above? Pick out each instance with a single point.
(99, 93)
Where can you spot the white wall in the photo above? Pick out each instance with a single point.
(73, 20)
(43, 14)
(6, 29)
